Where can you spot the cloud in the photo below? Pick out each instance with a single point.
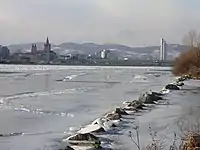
(133, 22)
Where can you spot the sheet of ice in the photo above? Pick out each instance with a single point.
(58, 110)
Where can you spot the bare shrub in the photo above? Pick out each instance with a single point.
(188, 139)
(135, 138)
(156, 144)
(188, 63)
(190, 129)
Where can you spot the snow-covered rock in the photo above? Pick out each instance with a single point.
(92, 128)
(82, 139)
(113, 116)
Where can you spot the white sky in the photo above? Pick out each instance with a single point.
(131, 22)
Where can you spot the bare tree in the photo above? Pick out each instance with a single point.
(191, 38)
(189, 62)
(198, 41)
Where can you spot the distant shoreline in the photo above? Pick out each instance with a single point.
(71, 64)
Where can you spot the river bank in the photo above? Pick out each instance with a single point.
(114, 122)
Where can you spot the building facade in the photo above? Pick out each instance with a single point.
(104, 54)
(163, 50)
(4, 52)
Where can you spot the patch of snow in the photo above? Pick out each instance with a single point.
(90, 128)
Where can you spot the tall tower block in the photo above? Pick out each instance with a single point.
(163, 50)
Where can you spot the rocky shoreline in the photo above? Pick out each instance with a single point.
(90, 136)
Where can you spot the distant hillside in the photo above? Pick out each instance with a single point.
(116, 49)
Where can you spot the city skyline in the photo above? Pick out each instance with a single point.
(45, 51)
(128, 22)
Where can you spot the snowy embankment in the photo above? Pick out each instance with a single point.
(95, 135)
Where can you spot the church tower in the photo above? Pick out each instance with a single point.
(34, 49)
(47, 50)
(47, 46)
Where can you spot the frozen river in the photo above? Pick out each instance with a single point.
(44, 102)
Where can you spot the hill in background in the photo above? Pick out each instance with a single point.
(150, 52)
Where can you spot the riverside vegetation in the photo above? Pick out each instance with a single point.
(188, 63)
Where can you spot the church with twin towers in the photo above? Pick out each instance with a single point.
(46, 54)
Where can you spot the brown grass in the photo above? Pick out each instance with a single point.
(191, 142)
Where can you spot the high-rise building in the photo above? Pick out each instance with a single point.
(163, 50)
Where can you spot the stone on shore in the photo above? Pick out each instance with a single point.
(83, 139)
(101, 149)
(68, 148)
(157, 94)
(172, 87)
(113, 116)
(135, 105)
(92, 128)
(183, 78)
(149, 98)
(164, 91)
(120, 111)
(180, 84)
(98, 121)
(105, 123)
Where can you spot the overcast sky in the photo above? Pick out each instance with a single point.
(132, 22)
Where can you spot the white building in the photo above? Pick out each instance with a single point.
(163, 49)
(103, 54)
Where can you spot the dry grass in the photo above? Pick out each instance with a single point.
(190, 128)
(192, 142)
(190, 139)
